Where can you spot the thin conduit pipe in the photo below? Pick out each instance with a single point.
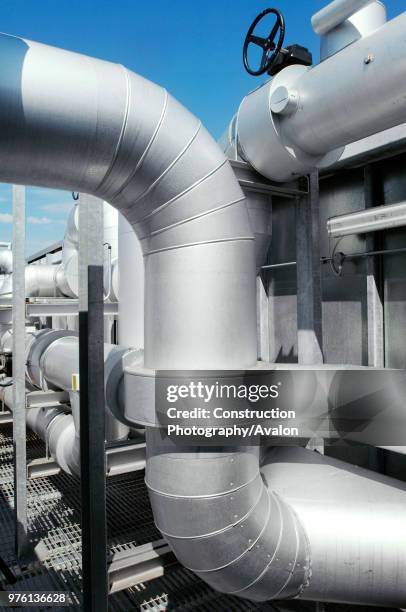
(344, 256)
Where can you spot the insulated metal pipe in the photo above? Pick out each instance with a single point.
(360, 24)
(129, 142)
(354, 521)
(82, 124)
(335, 13)
(128, 284)
(301, 119)
(52, 359)
(222, 521)
(92, 126)
(6, 261)
(41, 280)
(60, 360)
(366, 95)
(68, 275)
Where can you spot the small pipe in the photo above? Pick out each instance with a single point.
(368, 254)
(323, 260)
(109, 271)
(284, 264)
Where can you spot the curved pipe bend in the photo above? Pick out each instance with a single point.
(86, 125)
(224, 523)
(80, 124)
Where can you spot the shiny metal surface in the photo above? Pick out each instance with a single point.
(81, 124)
(60, 360)
(128, 282)
(355, 524)
(41, 281)
(6, 261)
(332, 111)
(36, 344)
(361, 222)
(223, 522)
(362, 23)
(52, 359)
(260, 215)
(335, 13)
(127, 141)
(68, 277)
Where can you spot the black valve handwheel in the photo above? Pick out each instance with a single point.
(270, 49)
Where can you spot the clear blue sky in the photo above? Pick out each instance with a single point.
(192, 48)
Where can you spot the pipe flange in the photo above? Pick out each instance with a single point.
(114, 369)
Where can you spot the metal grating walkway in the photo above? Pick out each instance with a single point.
(54, 520)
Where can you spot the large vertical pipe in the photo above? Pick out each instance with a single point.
(131, 287)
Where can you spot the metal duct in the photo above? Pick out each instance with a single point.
(81, 124)
(355, 523)
(60, 360)
(109, 132)
(130, 286)
(299, 120)
(54, 426)
(52, 359)
(41, 280)
(67, 278)
(68, 275)
(360, 24)
(260, 215)
(222, 521)
(332, 15)
(6, 261)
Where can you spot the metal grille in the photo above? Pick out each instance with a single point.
(54, 522)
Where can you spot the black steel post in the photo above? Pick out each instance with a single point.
(92, 446)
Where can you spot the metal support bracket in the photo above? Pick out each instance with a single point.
(128, 568)
(43, 399)
(125, 458)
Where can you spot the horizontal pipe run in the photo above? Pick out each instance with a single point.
(53, 423)
(369, 220)
(335, 13)
(344, 256)
(331, 112)
(354, 522)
